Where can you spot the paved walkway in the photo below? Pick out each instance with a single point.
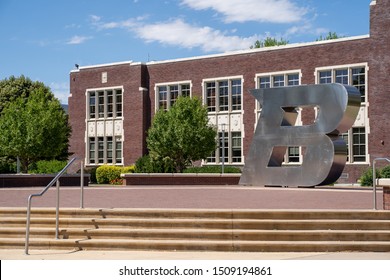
(211, 197)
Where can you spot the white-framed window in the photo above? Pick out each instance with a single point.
(281, 79)
(229, 148)
(101, 103)
(223, 99)
(168, 93)
(353, 75)
(104, 150)
(104, 128)
(223, 94)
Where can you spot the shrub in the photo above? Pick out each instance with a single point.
(107, 173)
(385, 172)
(366, 178)
(111, 174)
(7, 165)
(146, 164)
(128, 169)
(212, 169)
(47, 166)
(92, 172)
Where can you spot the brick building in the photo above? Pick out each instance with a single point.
(111, 105)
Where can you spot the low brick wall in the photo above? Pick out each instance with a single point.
(180, 179)
(32, 180)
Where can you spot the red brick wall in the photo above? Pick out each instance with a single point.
(133, 106)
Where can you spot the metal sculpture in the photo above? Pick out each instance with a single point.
(324, 151)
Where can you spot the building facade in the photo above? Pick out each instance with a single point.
(111, 106)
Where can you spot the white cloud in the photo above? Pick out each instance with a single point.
(275, 11)
(76, 40)
(61, 91)
(182, 34)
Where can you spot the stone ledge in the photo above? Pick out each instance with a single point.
(181, 178)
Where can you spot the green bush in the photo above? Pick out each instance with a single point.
(47, 167)
(146, 164)
(366, 178)
(385, 172)
(110, 174)
(92, 173)
(212, 169)
(107, 173)
(7, 165)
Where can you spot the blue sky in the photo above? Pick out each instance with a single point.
(43, 39)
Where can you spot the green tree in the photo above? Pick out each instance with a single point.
(329, 36)
(181, 135)
(269, 42)
(15, 87)
(33, 127)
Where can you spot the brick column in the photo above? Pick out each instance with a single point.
(386, 197)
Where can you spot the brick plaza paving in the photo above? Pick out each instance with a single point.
(209, 197)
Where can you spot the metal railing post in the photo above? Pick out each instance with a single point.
(58, 208)
(82, 185)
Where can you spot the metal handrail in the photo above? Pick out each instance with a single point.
(374, 178)
(55, 180)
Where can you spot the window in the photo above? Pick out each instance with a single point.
(223, 95)
(353, 75)
(92, 105)
(101, 103)
(210, 96)
(229, 148)
(359, 144)
(105, 153)
(281, 79)
(104, 126)
(167, 94)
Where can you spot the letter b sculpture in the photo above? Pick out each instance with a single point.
(324, 152)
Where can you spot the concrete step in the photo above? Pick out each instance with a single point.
(321, 224)
(195, 234)
(196, 229)
(200, 213)
(199, 245)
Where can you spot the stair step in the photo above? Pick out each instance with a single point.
(199, 245)
(202, 223)
(195, 229)
(195, 234)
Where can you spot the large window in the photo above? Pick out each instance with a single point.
(168, 93)
(229, 148)
(107, 151)
(346, 75)
(281, 79)
(353, 75)
(101, 103)
(104, 126)
(223, 98)
(223, 95)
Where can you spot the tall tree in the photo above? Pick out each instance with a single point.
(15, 87)
(182, 134)
(33, 128)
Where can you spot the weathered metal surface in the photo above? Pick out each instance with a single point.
(324, 151)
